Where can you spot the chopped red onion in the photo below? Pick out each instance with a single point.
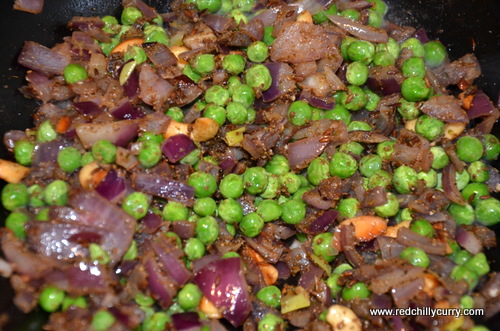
(119, 133)
(171, 265)
(450, 185)
(310, 277)
(300, 153)
(160, 286)
(184, 229)
(126, 111)
(277, 70)
(316, 102)
(88, 108)
(217, 23)
(385, 86)
(189, 321)
(40, 58)
(152, 222)
(421, 35)
(131, 86)
(164, 188)
(178, 146)
(48, 151)
(147, 11)
(29, 6)
(360, 30)
(481, 106)
(468, 241)
(410, 238)
(322, 222)
(112, 187)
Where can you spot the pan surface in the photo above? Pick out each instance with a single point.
(462, 26)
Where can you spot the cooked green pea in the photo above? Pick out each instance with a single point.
(46, 132)
(352, 147)
(35, 192)
(478, 264)
(359, 126)
(434, 53)
(290, 182)
(87, 158)
(356, 73)
(413, 67)
(416, 256)
(430, 177)
(251, 224)
(390, 208)
(318, 169)
(320, 17)
(236, 113)
(238, 16)
(176, 114)
(16, 222)
(203, 64)
(51, 298)
(14, 196)
(469, 149)
(231, 186)
(299, 112)
(354, 98)
(462, 214)
(467, 302)
(373, 100)
(339, 113)
(270, 210)
(157, 321)
(385, 149)
(97, 253)
(488, 211)
(175, 211)
(73, 73)
(111, 24)
(207, 229)
(474, 192)
(323, 247)
(130, 15)
(415, 89)
(423, 228)
(379, 178)
(369, 164)
(391, 46)
(379, 6)
(23, 151)
(270, 295)
(234, 64)
(415, 45)
(258, 76)
(131, 253)
(462, 179)
(375, 19)
(103, 319)
(461, 257)
(405, 179)
(268, 35)
(230, 211)
(205, 206)
(343, 165)
(189, 296)
(79, 302)
(408, 109)
(271, 322)
(404, 215)
(491, 147)
(478, 172)
(273, 187)
(104, 151)
(440, 159)
(217, 94)
(191, 74)
(210, 5)
(257, 51)
(149, 154)
(278, 165)
(136, 205)
(429, 127)
(358, 290)
(351, 14)
(360, 50)
(460, 272)
(194, 248)
(348, 207)
(204, 184)
(43, 214)
(192, 158)
(69, 159)
(383, 58)
(293, 211)
(255, 180)
(56, 193)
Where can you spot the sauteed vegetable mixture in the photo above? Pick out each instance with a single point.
(251, 164)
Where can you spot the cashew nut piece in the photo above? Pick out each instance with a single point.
(453, 130)
(209, 309)
(410, 125)
(12, 172)
(176, 50)
(342, 318)
(91, 175)
(202, 129)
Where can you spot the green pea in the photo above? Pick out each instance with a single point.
(136, 205)
(378, 178)
(415, 45)
(79, 302)
(14, 196)
(156, 34)
(480, 328)
(104, 151)
(258, 76)
(157, 321)
(373, 100)
(375, 19)
(176, 114)
(175, 211)
(269, 210)
(130, 15)
(205, 206)
(469, 149)
(369, 164)
(244, 5)
(273, 187)
(434, 53)
(354, 98)
(271, 322)
(383, 58)
(204, 184)
(462, 179)
(23, 151)
(236, 113)
(194, 249)
(423, 228)
(320, 17)
(323, 247)
(217, 94)
(207, 230)
(341, 268)
(131, 253)
(461, 257)
(478, 264)
(87, 158)
(466, 302)
(103, 319)
(408, 109)
(415, 89)
(357, 73)
(357, 291)
(69, 159)
(352, 147)
(243, 94)
(290, 182)
(16, 222)
(391, 46)
(203, 63)
(430, 178)
(405, 179)
(35, 192)
(385, 149)
(278, 165)
(474, 192)
(46, 132)
(189, 296)
(343, 165)
(379, 6)
(359, 126)
(488, 211)
(268, 35)
(339, 113)
(56, 193)
(231, 186)
(270, 295)
(234, 64)
(149, 154)
(51, 298)
(318, 169)
(429, 127)
(73, 73)
(251, 224)
(135, 53)
(416, 256)
(192, 158)
(257, 51)
(440, 159)
(348, 207)
(404, 215)
(413, 67)
(191, 74)
(332, 283)
(293, 211)
(462, 214)
(299, 112)
(111, 24)
(460, 272)
(255, 180)
(478, 171)
(360, 50)
(43, 215)
(351, 14)
(97, 253)
(388, 209)
(491, 147)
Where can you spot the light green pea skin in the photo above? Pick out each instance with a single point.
(348, 207)
(102, 320)
(408, 110)
(192, 158)
(136, 205)
(479, 264)
(440, 159)
(462, 214)
(460, 272)
(385, 149)
(430, 177)
(79, 302)
(87, 158)
(131, 252)
(189, 296)
(157, 321)
(255, 180)
(293, 211)
(190, 73)
(175, 211)
(415, 45)
(389, 209)
(16, 222)
(273, 187)
(35, 192)
(56, 193)
(369, 164)
(359, 126)
(135, 53)
(270, 295)
(462, 179)
(404, 215)
(269, 210)
(97, 253)
(373, 100)
(207, 230)
(46, 132)
(290, 182)
(271, 322)
(278, 165)
(43, 215)
(318, 169)
(478, 172)
(352, 147)
(339, 113)
(405, 179)
(51, 298)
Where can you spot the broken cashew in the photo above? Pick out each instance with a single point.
(342, 318)
(202, 129)
(209, 309)
(12, 172)
(91, 175)
(453, 130)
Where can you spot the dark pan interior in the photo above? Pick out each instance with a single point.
(463, 26)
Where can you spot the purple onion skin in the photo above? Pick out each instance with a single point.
(126, 111)
(112, 186)
(178, 146)
(186, 321)
(323, 221)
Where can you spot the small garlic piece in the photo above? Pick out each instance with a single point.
(342, 318)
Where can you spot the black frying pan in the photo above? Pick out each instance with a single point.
(463, 26)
